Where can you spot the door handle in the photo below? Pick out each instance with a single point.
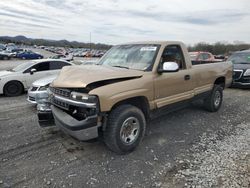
(187, 77)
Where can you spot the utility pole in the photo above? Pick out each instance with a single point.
(90, 41)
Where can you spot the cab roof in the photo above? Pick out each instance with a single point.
(154, 42)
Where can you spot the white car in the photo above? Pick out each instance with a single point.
(15, 81)
(63, 57)
(38, 90)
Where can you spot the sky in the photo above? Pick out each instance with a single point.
(119, 21)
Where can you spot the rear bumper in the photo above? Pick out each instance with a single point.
(82, 130)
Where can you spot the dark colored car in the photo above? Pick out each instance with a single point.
(241, 68)
(29, 55)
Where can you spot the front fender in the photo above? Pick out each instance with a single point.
(111, 94)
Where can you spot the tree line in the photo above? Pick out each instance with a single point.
(218, 48)
(22, 40)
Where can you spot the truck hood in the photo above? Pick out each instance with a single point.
(5, 73)
(84, 75)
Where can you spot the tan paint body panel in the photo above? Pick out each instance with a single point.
(82, 75)
(159, 89)
(113, 93)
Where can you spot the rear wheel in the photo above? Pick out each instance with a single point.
(213, 102)
(13, 88)
(125, 129)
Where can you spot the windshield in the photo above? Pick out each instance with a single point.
(132, 56)
(193, 56)
(22, 67)
(240, 57)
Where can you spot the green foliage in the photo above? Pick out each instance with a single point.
(218, 48)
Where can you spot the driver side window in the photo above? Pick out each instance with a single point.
(173, 53)
(44, 66)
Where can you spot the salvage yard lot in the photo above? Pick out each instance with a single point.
(34, 157)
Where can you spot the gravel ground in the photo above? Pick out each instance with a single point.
(218, 163)
(187, 148)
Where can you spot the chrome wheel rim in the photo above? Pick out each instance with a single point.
(130, 130)
(217, 98)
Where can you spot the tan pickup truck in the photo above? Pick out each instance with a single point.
(131, 84)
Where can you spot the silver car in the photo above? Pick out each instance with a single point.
(38, 91)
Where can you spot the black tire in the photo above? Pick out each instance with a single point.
(13, 88)
(6, 58)
(213, 102)
(116, 123)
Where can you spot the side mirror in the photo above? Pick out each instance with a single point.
(169, 67)
(32, 71)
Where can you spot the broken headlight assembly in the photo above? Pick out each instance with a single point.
(83, 97)
(44, 88)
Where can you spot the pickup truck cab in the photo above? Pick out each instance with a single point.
(131, 84)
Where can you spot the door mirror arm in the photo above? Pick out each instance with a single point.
(32, 71)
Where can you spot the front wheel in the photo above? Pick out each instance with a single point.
(213, 102)
(13, 88)
(125, 129)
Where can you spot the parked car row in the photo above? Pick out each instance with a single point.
(17, 52)
(75, 52)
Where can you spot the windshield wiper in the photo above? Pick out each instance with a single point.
(121, 67)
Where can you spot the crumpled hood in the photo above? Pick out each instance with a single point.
(5, 73)
(83, 75)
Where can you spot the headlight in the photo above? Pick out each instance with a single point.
(83, 97)
(247, 73)
(43, 88)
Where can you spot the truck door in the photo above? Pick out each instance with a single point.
(173, 87)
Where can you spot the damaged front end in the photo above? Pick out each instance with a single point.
(72, 110)
(45, 116)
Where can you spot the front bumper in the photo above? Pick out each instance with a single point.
(82, 130)
(45, 118)
(35, 96)
(241, 85)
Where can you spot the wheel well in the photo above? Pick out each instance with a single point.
(220, 81)
(13, 81)
(140, 102)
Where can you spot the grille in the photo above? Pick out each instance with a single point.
(60, 104)
(61, 92)
(237, 74)
(34, 88)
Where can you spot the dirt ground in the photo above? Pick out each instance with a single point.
(187, 148)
